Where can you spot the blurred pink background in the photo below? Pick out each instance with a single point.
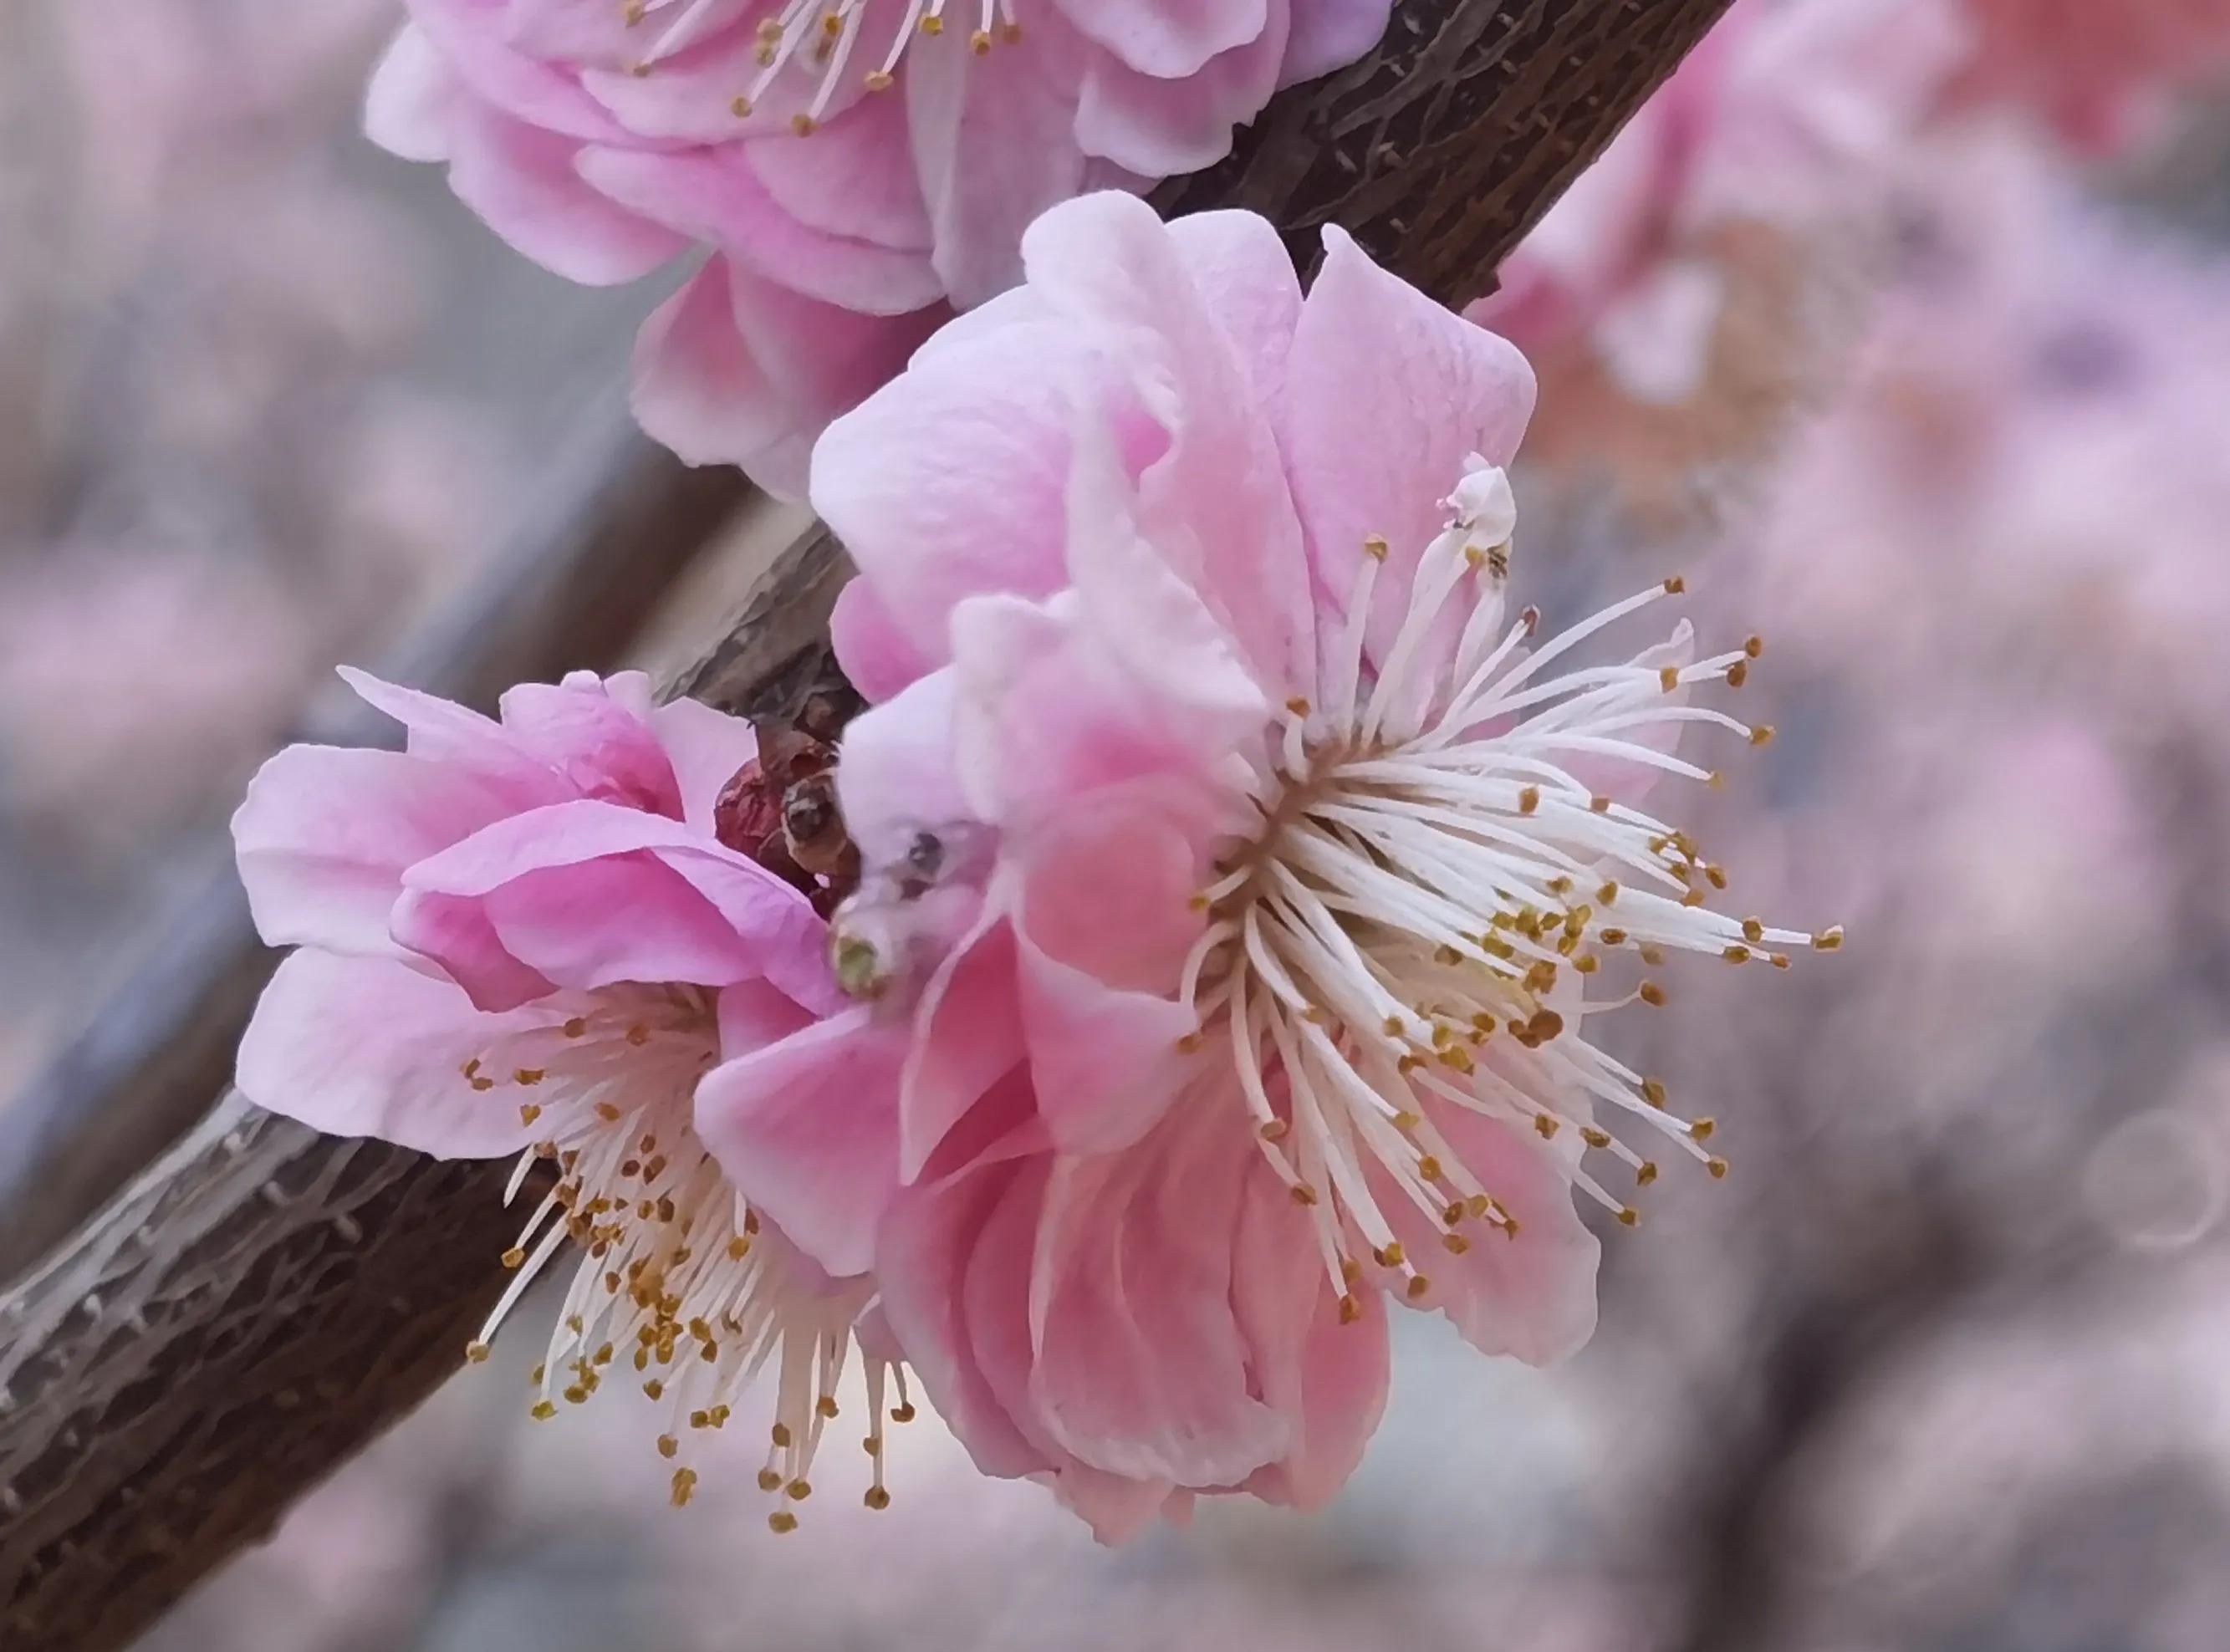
(1944, 1365)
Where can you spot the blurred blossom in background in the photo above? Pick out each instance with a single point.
(1939, 405)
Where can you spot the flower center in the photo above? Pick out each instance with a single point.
(675, 1276)
(1411, 934)
(820, 39)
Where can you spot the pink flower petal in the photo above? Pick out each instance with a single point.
(411, 103)
(965, 1039)
(1215, 507)
(1149, 1384)
(994, 146)
(1328, 1376)
(587, 730)
(1387, 393)
(589, 894)
(524, 181)
(1104, 925)
(367, 1047)
(1532, 1297)
(737, 370)
(324, 835)
(943, 1288)
(1160, 126)
(978, 509)
(1173, 40)
(706, 748)
(718, 195)
(806, 1128)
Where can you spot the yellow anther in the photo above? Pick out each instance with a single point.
(668, 1446)
(1762, 734)
(1599, 804)
(1191, 1043)
(803, 124)
(1529, 800)
(1454, 1244)
(1629, 1217)
(1829, 939)
(1646, 1174)
(780, 1435)
(476, 1353)
(1389, 1255)
(1350, 1310)
(515, 1258)
(1298, 706)
(826, 1404)
(1594, 1137)
(770, 1479)
(1736, 954)
(1652, 1091)
(1668, 678)
(1275, 1130)
(1754, 646)
(1717, 1167)
(543, 1412)
(1428, 1168)
(782, 1522)
(1675, 585)
(1548, 1125)
(879, 81)
(1704, 1130)
(1376, 547)
(877, 1499)
(1418, 1285)
(1304, 1195)
(798, 1490)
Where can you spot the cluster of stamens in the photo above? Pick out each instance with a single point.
(675, 1280)
(820, 39)
(1412, 930)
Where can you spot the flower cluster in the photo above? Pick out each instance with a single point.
(1236, 885)
(1677, 296)
(857, 169)
(2102, 76)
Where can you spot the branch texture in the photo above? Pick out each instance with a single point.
(264, 1300)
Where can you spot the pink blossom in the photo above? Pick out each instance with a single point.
(1237, 877)
(2101, 74)
(524, 937)
(1668, 296)
(857, 169)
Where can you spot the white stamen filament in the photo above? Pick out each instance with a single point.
(673, 1279)
(1407, 937)
(818, 37)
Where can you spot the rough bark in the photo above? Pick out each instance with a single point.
(264, 1300)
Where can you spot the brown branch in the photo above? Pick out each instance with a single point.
(265, 1300)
